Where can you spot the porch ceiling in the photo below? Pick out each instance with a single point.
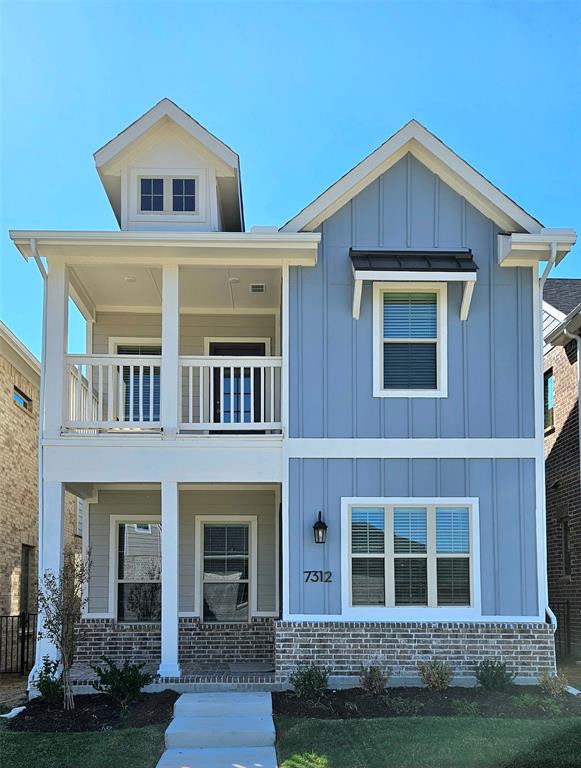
(124, 286)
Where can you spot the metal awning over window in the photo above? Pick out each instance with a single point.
(414, 266)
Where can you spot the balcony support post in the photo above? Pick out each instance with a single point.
(169, 666)
(170, 332)
(57, 295)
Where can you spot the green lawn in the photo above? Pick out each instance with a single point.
(429, 742)
(403, 742)
(119, 748)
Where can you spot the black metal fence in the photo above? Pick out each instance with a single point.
(562, 611)
(17, 642)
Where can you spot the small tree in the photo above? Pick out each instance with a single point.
(60, 601)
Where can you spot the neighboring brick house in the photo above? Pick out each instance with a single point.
(562, 324)
(19, 407)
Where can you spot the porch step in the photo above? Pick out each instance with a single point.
(232, 757)
(228, 731)
(216, 704)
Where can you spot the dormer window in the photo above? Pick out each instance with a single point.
(184, 195)
(152, 195)
(167, 195)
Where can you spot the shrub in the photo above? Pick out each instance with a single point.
(534, 701)
(493, 675)
(465, 708)
(124, 683)
(398, 705)
(373, 679)
(553, 685)
(435, 674)
(49, 684)
(310, 682)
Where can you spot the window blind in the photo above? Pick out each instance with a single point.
(367, 531)
(410, 364)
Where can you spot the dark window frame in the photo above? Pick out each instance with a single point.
(549, 408)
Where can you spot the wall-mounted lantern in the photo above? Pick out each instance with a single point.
(320, 530)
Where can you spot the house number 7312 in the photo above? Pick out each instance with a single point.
(320, 576)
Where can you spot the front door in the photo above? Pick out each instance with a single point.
(225, 572)
(233, 396)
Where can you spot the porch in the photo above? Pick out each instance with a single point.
(183, 578)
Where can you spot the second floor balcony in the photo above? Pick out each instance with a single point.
(215, 394)
(177, 335)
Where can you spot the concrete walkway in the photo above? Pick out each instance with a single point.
(221, 730)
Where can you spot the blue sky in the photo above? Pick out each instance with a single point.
(302, 91)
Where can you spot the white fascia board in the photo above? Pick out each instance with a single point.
(18, 347)
(521, 249)
(390, 276)
(553, 311)
(165, 108)
(150, 247)
(433, 153)
(569, 326)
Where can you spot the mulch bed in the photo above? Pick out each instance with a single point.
(95, 712)
(355, 703)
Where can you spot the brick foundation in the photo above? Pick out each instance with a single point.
(199, 643)
(343, 647)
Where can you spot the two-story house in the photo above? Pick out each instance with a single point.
(322, 443)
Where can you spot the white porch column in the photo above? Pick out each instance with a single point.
(170, 332)
(169, 666)
(57, 296)
(50, 554)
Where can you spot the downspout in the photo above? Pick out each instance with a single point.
(542, 280)
(42, 270)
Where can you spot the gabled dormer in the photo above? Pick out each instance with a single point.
(167, 172)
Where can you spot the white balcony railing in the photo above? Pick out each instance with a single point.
(230, 394)
(126, 392)
(215, 394)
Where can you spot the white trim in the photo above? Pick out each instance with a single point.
(115, 341)
(467, 292)
(500, 619)
(236, 340)
(168, 176)
(553, 311)
(441, 390)
(411, 613)
(412, 448)
(165, 108)
(114, 521)
(357, 291)
(519, 249)
(433, 153)
(540, 500)
(394, 276)
(252, 522)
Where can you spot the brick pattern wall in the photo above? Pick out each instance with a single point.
(209, 643)
(563, 484)
(131, 642)
(19, 489)
(343, 647)
(199, 643)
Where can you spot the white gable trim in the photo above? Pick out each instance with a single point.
(165, 108)
(440, 159)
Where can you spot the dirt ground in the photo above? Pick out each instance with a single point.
(12, 690)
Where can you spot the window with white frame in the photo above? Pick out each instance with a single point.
(167, 194)
(410, 555)
(410, 339)
(139, 572)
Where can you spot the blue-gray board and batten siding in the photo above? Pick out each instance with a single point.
(490, 356)
(506, 492)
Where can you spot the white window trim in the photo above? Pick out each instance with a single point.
(441, 289)
(114, 521)
(167, 195)
(116, 341)
(167, 174)
(410, 612)
(252, 522)
(236, 340)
